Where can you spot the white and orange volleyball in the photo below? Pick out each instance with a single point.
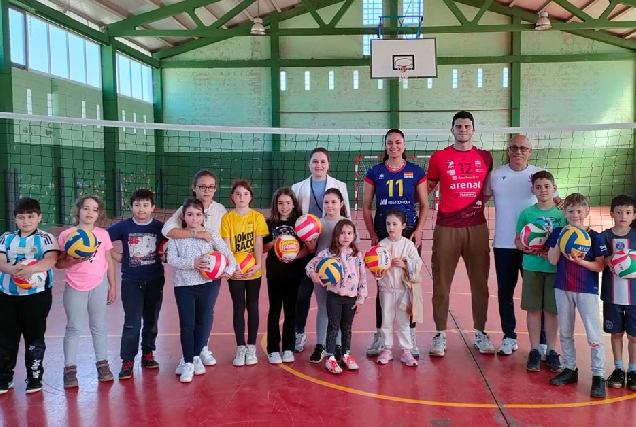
(377, 259)
(308, 227)
(286, 247)
(35, 281)
(217, 262)
(245, 261)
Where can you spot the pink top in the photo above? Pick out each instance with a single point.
(89, 274)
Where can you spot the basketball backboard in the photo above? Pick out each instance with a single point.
(389, 57)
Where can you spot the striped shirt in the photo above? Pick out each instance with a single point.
(573, 277)
(613, 288)
(17, 248)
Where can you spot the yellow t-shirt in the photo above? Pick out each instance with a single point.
(242, 231)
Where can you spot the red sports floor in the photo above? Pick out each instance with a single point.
(463, 388)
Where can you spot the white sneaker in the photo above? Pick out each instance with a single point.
(333, 366)
(415, 352)
(206, 357)
(239, 360)
(288, 356)
(482, 342)
(376, 345)
(439, 345)
(508, 345)
(301, 339)
(188, 373)
(199, 369)
(179, 369)
(543, 349)
(274, 358)
(250, 356)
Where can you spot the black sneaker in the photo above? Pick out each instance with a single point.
(631, 380)
(5, 386)
(534, 361)
(567, 376)
(148, 361)
(553, 361)
(33, 385)
(126, 370)
(318, 355)
(598, 387)
(617, 379)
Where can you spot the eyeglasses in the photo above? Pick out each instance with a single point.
(206, 187)
(515, 148)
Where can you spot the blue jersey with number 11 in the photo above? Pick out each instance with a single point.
(395, 190)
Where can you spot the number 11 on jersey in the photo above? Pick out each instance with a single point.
(399, 184)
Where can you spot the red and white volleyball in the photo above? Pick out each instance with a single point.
(286, 247)
(308, 227)
(217, 262)
(377, 259)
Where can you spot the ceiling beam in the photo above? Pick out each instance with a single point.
(176, 19)
(275, 5)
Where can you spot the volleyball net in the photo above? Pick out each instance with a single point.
(57, 159)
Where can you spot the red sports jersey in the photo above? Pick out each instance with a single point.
(461, 176)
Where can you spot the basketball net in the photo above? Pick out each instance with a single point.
(404, 74)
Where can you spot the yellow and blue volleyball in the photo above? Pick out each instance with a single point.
(330, 271)
(81, 243)
(624, 264)
(534, 235)
(245, 261)
(574, 241)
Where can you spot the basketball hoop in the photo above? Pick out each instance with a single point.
(403, 65)
(404, 74)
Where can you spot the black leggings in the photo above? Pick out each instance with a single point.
(244, 294)
(340, 313)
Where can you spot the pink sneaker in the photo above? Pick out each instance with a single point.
(350, 362)
(385, 356)
(332, 366)
(408, 359)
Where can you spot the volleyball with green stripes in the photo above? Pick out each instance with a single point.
(534, 235)
(330, 271)
(574, 241)
(624, 264)
(81, 243)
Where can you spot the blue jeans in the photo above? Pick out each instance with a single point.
(209, 315)
(193, 304)
(141, 300)
(508, 266)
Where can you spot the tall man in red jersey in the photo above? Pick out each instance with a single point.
(460, 231)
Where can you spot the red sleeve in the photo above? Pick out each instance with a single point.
(433, 168)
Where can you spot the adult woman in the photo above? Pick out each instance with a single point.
(395, 183)
(204, 185)
(310, 193)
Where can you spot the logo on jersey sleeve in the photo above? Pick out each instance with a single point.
(408, 175)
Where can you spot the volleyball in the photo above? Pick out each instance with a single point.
(245, 261)
(624, 264)
(377, 259)
(81, 243)
(217, 262)
(35, 281)
(162, 250)
(330, 271)
(308, 227)
(534, 235)
(574, 241)
(286, 247)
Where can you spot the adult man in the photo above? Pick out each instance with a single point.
(510, 186)
(461, 171)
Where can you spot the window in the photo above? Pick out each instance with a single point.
(77, 58)
(366, 43)
(93, 64)
(38, 39)
(356, 79)
(283, 80)
(429, 83)
(134, 79)
(480, 78)
(380, 84)
(58, 41)
(505, 77)
(412, 11)
(405, 84)
(17, 37)
(49, 104)
(123, 76)
(455, 79)
(307, 80)
(331, 80)
(371, 12)
(83, 109)
(146, 76)
(29, 103)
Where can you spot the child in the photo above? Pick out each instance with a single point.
(24, 311)
(619, 295)
(283, 277)
(191, 289)
(400, 289)
(243, 230)
(576, 288)
(204, 185)
(537, 294)
(142, 280)
(87, 289)
(334, 210)
(344, 298)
